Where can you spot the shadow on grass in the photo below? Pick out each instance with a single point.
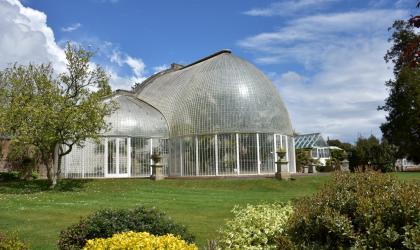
(36, 186)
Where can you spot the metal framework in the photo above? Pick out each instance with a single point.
(316, 143)
(217, 116)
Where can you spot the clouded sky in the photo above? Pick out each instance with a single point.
(325, 56)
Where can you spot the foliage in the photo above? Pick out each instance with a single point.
(304, 159)
(22, 158)
(255, 226)
(361, 211)
(11, 242)
(349, 151)
(105, 223)
(335, 161)
(143, 241)
(53, 113)
(9, 176)
(402, 126)
(16, 175)
(371, 153)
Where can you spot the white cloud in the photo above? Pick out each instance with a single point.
(136, 66)
(160, 68)
(72, 27)
(307, 39)
(289, 7)
(342, 82)
(119, 81)
(26, 38)
(341, 99)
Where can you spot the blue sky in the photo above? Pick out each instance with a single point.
(325, 56)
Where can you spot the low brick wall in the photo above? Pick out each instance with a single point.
(5, 166)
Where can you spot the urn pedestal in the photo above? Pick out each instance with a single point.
(282, 171)
(157, 172)
(157, 168)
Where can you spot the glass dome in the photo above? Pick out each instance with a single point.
(218, 94)
(135, 118)
(218, 116)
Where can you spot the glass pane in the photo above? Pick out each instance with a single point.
(314, 153)
(248, 154)
(74, 163)
(188, 156)
(206, 160)
(140, 157)
(93, 159)
(123, 156)
(112, 158)
(164, 151)
(226, 144)
(291, 152)
(175, 156)
(267, 153)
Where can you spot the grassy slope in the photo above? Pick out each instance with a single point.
(203, 205)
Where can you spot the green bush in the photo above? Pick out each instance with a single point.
(9, 176)
(362, 211)
(255, 226)
(11, 242)
(107, 222)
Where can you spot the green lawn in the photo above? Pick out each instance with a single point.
(39, 214)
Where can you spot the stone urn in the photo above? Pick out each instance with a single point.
(282, 171)
(157, 168)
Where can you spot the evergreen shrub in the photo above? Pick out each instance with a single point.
(105, 223)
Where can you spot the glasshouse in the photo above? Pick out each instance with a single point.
(218, 116)
(316, 143)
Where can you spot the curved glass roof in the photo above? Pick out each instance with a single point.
(218, 94)
(135, 118)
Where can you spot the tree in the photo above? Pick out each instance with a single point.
(53, 113)
(304, 159)
(384, 156)
(372, 153)
(335, 161)
(402, 126)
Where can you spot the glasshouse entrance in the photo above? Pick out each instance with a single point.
(118, 162)
(114, 158)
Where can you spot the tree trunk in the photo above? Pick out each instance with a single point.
(55, 170)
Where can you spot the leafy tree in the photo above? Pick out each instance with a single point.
(370, 152)
(336, 158)
(51, 112)
(402, 126)
(364, 150)
(304, 159)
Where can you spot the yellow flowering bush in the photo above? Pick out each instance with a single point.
(137, 241)
(255, 226)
